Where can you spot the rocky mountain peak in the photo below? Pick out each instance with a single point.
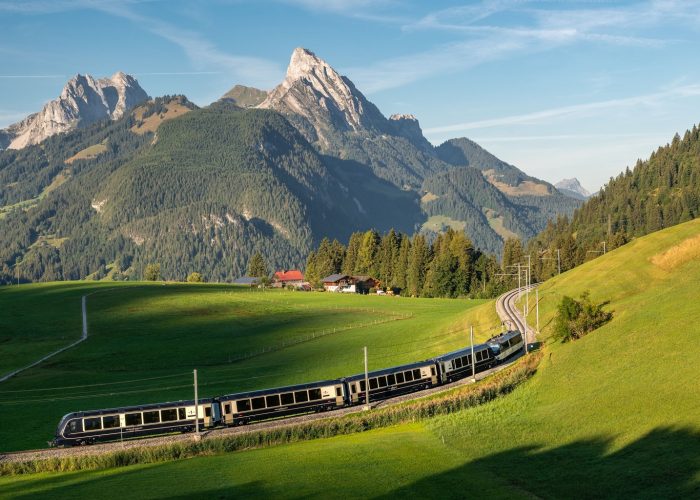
(573, 188)
(83, 100)
(315, 91)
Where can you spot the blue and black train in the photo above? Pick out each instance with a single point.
(87, 427)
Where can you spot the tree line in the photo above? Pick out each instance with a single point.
(447, 266)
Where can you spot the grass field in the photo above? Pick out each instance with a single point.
(161, 332)
(615, 414)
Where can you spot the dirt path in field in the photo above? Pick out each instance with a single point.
(82, 338)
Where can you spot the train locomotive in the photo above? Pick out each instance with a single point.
(88, 427)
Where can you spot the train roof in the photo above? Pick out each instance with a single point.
(504, 336)
(124, 409)
(275, 390)
(386, 371)
(461, 352)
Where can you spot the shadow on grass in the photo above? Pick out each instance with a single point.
(662, 464)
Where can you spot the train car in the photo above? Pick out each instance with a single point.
(390, 382)
(458, 364)
(114, 424)
(241, 408)
(506, 345)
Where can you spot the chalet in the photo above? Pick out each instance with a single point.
(291, 278)
(349, 284)
(363, 284)
(339, 283)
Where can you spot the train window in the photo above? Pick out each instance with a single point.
(399, 378)
(432, 371)
(168, 415)
(151, 417)
(110, 422)
(273, 400)
(373, 383)
(92, 424)
(391, 379)
(382, 381)
(207, 411)
(75, 426)
(338, 392)
(363, 386)
(457, 363)
(258, 403)
(243, 405)
(301, 396)
(182, 414)
(287, 398)
(468, 360)
(315, 394)
(416, 374)
(133, 419)
(408, 376)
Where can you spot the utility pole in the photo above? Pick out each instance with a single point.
(197, 437)
(525, 328)
(471, 336)
(558, 262)
(520, 293)
(537, 300)
(603, 247)
(367, 407)
(528, 270)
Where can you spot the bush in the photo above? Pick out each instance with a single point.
(152, 272)
(195, 278)
(578, 318)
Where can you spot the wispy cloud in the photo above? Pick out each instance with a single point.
(369, 10)
(585, 109)
(19, 77)
(176, 73)
(201, 52)
(487, 32)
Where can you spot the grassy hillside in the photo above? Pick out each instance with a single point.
(161, 332)
(614, 414)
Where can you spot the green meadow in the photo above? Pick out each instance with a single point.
(615, 414)
(145, 340)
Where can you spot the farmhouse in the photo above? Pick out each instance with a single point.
(349, 284)
(292, 278)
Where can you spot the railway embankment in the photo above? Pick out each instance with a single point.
(457, 397)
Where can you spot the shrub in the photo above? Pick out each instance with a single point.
(195, 278)
(578, 318)
(152, 272)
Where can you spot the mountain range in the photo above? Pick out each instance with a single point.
(120, 180)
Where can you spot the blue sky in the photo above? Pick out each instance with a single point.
(558, 88)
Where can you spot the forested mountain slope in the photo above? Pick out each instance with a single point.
(204, 189)
(203, 192)
(660, 192)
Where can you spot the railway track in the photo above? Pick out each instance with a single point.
(511, 314)
(505, 307)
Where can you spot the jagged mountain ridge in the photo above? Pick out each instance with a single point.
(83, 101)
(573, 188)
(205, 189)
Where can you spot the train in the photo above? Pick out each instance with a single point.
(129, 422)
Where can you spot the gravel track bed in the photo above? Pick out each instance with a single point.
(98, 449)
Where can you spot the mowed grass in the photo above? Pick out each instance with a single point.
(145, 340)
(615, 414)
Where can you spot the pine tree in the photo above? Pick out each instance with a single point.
(257, 268)
(417, 265)
(367, 253)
